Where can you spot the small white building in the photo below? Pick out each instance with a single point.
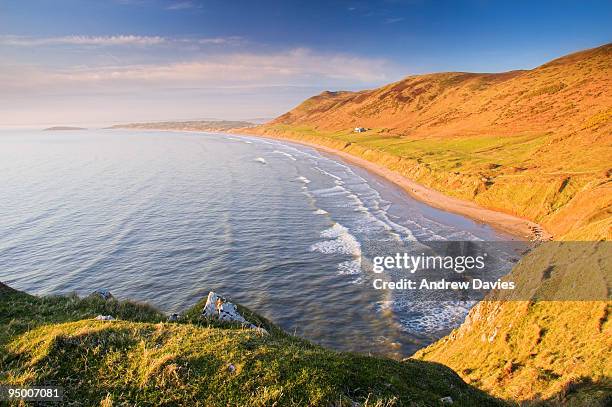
(359, 130)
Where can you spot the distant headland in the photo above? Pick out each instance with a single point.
(63, 128)
(193, 125)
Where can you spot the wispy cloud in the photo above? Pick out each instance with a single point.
(294, 67)
(182, 5)
(111, 40)
(393, 20)
(233, 40)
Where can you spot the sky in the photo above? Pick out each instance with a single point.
(113, 61)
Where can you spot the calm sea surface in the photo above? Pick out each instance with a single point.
(164, 217)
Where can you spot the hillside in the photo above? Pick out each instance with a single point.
(535, 143)
(558, 351)
(139, 359)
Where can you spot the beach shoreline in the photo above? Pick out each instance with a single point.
(514, 225)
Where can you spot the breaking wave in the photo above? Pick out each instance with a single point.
(290, 156)
(340, 241)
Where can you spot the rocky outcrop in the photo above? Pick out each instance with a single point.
(217, 307)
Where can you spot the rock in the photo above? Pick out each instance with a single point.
(218, 307)
(222, 309)
(231, 368)
(446, 400)
(260, 330)
(229, 312)
(173, 318)
(104, 318)
(210, 309)
(104, 294)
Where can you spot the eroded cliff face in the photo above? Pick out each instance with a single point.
(535, 143)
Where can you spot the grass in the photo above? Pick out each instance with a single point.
(139, 359)
(555, 351)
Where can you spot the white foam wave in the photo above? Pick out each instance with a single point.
(261, 160)
(290, 156)
(333, 191)
(320, 212)
(329, 174)
(350, 267)
(342, 241)
(335, 231)
(303, 179)
(361, 208)
(436, 316)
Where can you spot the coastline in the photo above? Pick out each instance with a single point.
(514, 225)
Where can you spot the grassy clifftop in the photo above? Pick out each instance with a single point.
(534, 143)
(139, 359)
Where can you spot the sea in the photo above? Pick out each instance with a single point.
(165, 217)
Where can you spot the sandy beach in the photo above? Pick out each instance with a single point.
(508, 223)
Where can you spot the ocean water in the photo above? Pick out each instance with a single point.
(165, 217)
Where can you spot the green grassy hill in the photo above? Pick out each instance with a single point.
(139, 359)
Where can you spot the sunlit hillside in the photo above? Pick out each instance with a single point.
(534, 143)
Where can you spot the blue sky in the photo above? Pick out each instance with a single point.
(117, 60)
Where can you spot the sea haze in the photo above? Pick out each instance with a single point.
(164, 217)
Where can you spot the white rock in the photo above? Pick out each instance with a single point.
(104, 318)
(219, 307)
(446, 400)
(229, 312)
(210, 309)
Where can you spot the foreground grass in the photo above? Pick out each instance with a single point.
(141, 360)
